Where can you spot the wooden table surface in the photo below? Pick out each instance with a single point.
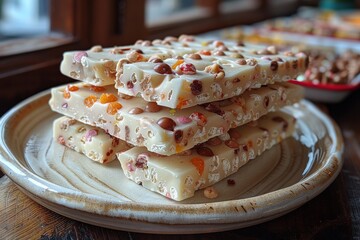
(334, 214)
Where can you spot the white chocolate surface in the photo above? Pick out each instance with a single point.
(178, 177)
(225, 69)
(191, 125)
(220, 74)
(99, 67)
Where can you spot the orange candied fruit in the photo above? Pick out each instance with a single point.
(66, 94)
(113, 107)
(199, 164)
(182, 102)
(72, 88)
(177, 63)
(107, 98)
(97, 88)
(205, 52)
(90, 100)
(68, 89)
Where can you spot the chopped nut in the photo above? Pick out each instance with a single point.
(96, 48)
(210, 192)
(241, 61)
(186, 38)
(117, 50)
(251, 61)
(272, 49)
(119, 66)
(134, 56)
(214, 68)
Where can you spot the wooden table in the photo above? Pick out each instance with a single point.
(334, 214)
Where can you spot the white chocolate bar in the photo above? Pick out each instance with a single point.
(215, 71)
(178, 177)
(185, 71)
(163, 130)
(91, 141)
(97, 65)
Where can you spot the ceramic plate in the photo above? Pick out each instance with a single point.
(281, 180)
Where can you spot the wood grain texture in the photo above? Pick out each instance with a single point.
(326, 216)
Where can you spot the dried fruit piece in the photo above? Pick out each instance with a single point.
(141, 161)
(234, 134)
(61, 140)
(96, 88)
(199, 118)
(205, 151)
(130, 84)
(68, 89)
(66, 94)
(187, 68)
(199, 164)
(91, 133)
(78, 56)
(178, 135)
(294, 64)
(205, 52)
(177, 63)
(196, 87)
(113, 108)
(107, 97)
(274, 65)
(214, 141)
(90, 100)
(232, 143)
(212, 107)
(183, 119)
(72, 88)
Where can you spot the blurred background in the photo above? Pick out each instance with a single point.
(35, 33)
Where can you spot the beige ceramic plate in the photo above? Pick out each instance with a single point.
(64, 181)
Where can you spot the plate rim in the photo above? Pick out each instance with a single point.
(225, 212)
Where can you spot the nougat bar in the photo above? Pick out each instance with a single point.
(91, 141)
(178, 177)
(215, 71)
(164, 130)
(97, 65)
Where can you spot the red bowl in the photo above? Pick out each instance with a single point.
(330, 93)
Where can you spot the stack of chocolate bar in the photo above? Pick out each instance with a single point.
(180, 114)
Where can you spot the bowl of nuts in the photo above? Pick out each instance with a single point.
(331, 77)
